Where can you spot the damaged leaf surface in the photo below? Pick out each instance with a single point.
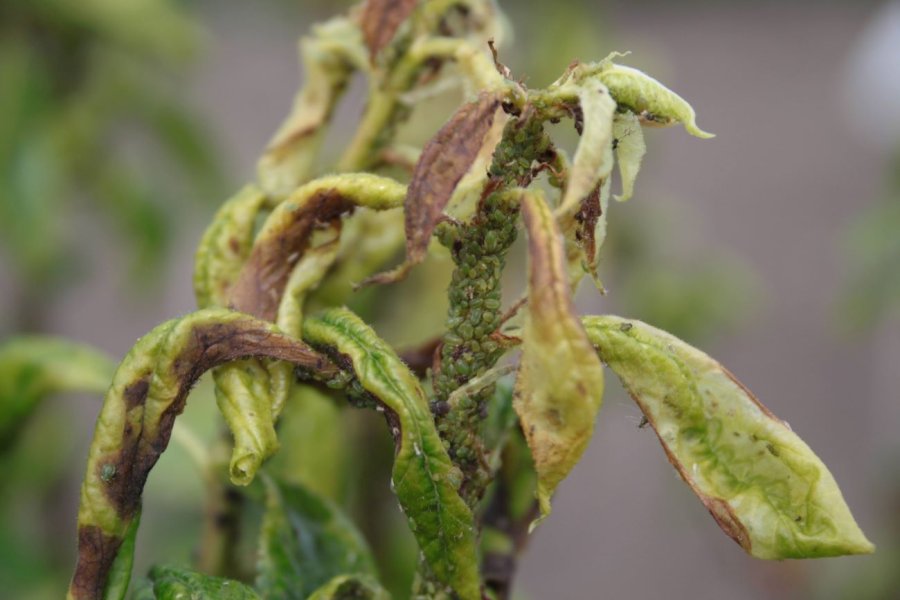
(149, 389)
(763, 485)
(380, 20)
(444, 161)
(559, 388)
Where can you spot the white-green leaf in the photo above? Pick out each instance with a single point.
(653, 102)
(630, 150)
(763, 485)
(593, 160)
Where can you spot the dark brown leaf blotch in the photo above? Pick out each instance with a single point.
(96, 553)
(444, 161)
(380, 21)
(262, 280)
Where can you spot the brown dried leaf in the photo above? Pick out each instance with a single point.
(445, 159)
(380, 21)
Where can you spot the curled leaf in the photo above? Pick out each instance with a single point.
(329, 56)
(32, 367)
(245, 397)
(305, 541)
(650, 100)
(762, 484)
(380, 20)
(351, 587)
(225, 247)
(149, 389)
(444, 161)
(286, 234)
(306, 276)
(560, 384)
(630, 150)
(423, 476)
(593, 160)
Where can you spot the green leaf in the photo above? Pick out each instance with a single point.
(423, 477)
(33, 367)
(120, 573)
(763, 485)
(559, 388)
(650, 100)
(177, 583)
(351, 587)
(305, 541)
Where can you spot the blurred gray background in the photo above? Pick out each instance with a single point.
(774, 194)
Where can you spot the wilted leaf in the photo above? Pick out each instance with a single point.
(329, 58)
(764, 487)
(32, 367)
(593, 160)
(444, 161)
(423, 477)
(650, 100)
(351, 587)
(380, 20)
(305, 542)
(560, 384)
(176, 583)
(149, 389)
(285, 235)
(630, 150)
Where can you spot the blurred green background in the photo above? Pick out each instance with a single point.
(124, 124)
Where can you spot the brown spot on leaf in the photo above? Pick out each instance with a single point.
(136, 393)
(96, 553)
(587, 218)
(380, 21)
(262, 280)
(206, 345)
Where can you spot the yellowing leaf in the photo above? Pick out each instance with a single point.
(762, 484)
(630, 150)
(653, 102)
(560, 384)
